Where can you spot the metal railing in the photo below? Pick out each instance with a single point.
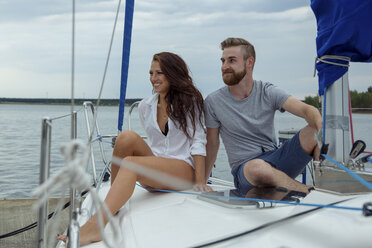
(135, 104)
(86, 105)
(75, 197)
(46, 131)
(74, 228)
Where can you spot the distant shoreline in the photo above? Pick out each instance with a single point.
(103, 102)
(65, 101)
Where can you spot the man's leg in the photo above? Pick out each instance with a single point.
(307, 141)
(280, 167)
(261, 174)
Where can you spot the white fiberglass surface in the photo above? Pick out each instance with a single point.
(181, 220)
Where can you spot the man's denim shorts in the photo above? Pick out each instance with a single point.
(289, 158)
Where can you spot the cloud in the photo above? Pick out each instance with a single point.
(37, 43)
(24, 82)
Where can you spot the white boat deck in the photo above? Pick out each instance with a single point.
(182, 220)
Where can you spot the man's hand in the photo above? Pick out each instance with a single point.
(316, 155)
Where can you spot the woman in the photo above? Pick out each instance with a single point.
(172, 119)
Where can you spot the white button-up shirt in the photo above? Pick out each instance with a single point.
(175, 144)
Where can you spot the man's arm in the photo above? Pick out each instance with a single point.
(312, 117)
(213, 143)
(303, 110)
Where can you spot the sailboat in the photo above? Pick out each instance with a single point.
(268, 217)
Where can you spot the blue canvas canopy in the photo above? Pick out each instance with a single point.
(344, 29)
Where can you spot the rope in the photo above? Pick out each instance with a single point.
(255, 200)
(358, 178)
(335, 57)
(74, 175)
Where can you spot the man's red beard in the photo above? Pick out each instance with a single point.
(233, 78)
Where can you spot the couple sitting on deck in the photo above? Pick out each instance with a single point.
(242, 111)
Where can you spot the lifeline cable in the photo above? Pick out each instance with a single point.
(63, 116)
(263, 226)
(33, 225)
(258, 200)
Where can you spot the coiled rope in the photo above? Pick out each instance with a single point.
(74, 175)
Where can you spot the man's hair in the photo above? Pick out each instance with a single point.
(247, 48)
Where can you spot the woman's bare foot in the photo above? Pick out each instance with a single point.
(61, 237)
(89, 233)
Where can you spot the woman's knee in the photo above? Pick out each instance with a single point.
(125, 138)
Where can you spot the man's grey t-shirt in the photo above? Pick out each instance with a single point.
(247, 125)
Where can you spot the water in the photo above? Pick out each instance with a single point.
(20, 138)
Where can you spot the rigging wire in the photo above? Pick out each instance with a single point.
(73, 59)
(85, 162)
(73, 83)
(105, 71)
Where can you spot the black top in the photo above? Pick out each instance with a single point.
(166, 129)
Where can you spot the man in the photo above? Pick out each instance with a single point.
(243, 112)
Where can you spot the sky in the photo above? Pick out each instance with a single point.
(36, 45)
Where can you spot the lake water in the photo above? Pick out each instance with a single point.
(20, 138)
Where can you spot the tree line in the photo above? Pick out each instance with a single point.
(64, 101)
(359, 100)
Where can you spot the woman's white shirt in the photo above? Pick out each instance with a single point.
(175, 144)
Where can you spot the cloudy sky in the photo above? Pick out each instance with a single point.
(35, 44)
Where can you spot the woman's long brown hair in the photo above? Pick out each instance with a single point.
(183, 98)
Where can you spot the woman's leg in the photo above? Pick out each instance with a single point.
(128, 143)
(123, 186)
(124, 183)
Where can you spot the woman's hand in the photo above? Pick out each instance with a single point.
(202, 187)
(200, 181)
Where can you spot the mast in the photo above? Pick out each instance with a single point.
(127, 38)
